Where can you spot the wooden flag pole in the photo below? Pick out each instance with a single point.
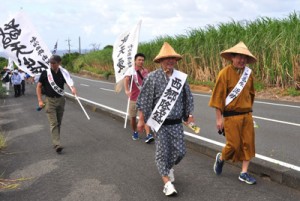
(126, 116)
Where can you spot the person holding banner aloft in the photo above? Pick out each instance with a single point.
(164, 102)
(233, 98)
(136, 76)
(52, 81)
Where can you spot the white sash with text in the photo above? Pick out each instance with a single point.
(136, 81)
(239, 86)
(54, 86)
(167, 100)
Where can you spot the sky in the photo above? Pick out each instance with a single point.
(99, 22)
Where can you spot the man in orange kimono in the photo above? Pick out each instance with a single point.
(233, 98)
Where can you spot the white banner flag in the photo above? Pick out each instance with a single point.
(24, 46)
(55, 48)
(124, 51)
(10, 65)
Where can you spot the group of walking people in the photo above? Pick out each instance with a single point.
(162, 99)
(16, 78)
(165, 100)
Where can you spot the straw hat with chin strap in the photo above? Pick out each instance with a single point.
(167, 51)
(239, 48)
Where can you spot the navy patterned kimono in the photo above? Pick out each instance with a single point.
(170, 146)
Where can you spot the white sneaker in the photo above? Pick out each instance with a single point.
(171, 175)
(169, 189)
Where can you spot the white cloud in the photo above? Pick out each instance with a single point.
(88, 29)
(100, 21)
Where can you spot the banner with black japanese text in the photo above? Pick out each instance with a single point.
(24, 45)
(124, 50)
(10, 64)
(55, 48)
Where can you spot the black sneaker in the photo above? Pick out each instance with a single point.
(218, 166)
(58, 149)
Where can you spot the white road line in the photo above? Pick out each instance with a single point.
(203, 95)
(107, 89)
(267, 119)
(257, 117)
(277, 121)
(277, 104)
(93, 80)
(10, 105)
(284, 164)
(260, 102)
(271, 160)
(204, 139)
(85, 85)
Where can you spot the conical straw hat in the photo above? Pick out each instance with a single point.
(167, 51)
(239, 48)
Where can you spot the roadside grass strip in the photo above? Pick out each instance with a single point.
(11, 184)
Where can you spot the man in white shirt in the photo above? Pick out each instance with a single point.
(16, 82)
(23, 75)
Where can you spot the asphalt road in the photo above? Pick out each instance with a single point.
(101, 162)
(277, 136)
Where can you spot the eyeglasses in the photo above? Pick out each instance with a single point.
(53, 62)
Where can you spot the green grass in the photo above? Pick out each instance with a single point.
(203, 83)
(259, 86)
(2, 141)
(2, 91)
(274, 42)
(292, 92)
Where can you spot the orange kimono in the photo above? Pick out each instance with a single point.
(239, 131)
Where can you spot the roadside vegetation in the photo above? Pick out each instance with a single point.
(2, 91)
(98, 62)
(3, 62)
(2, 141)
(274, 42)
(8, 184)
(292, 92)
